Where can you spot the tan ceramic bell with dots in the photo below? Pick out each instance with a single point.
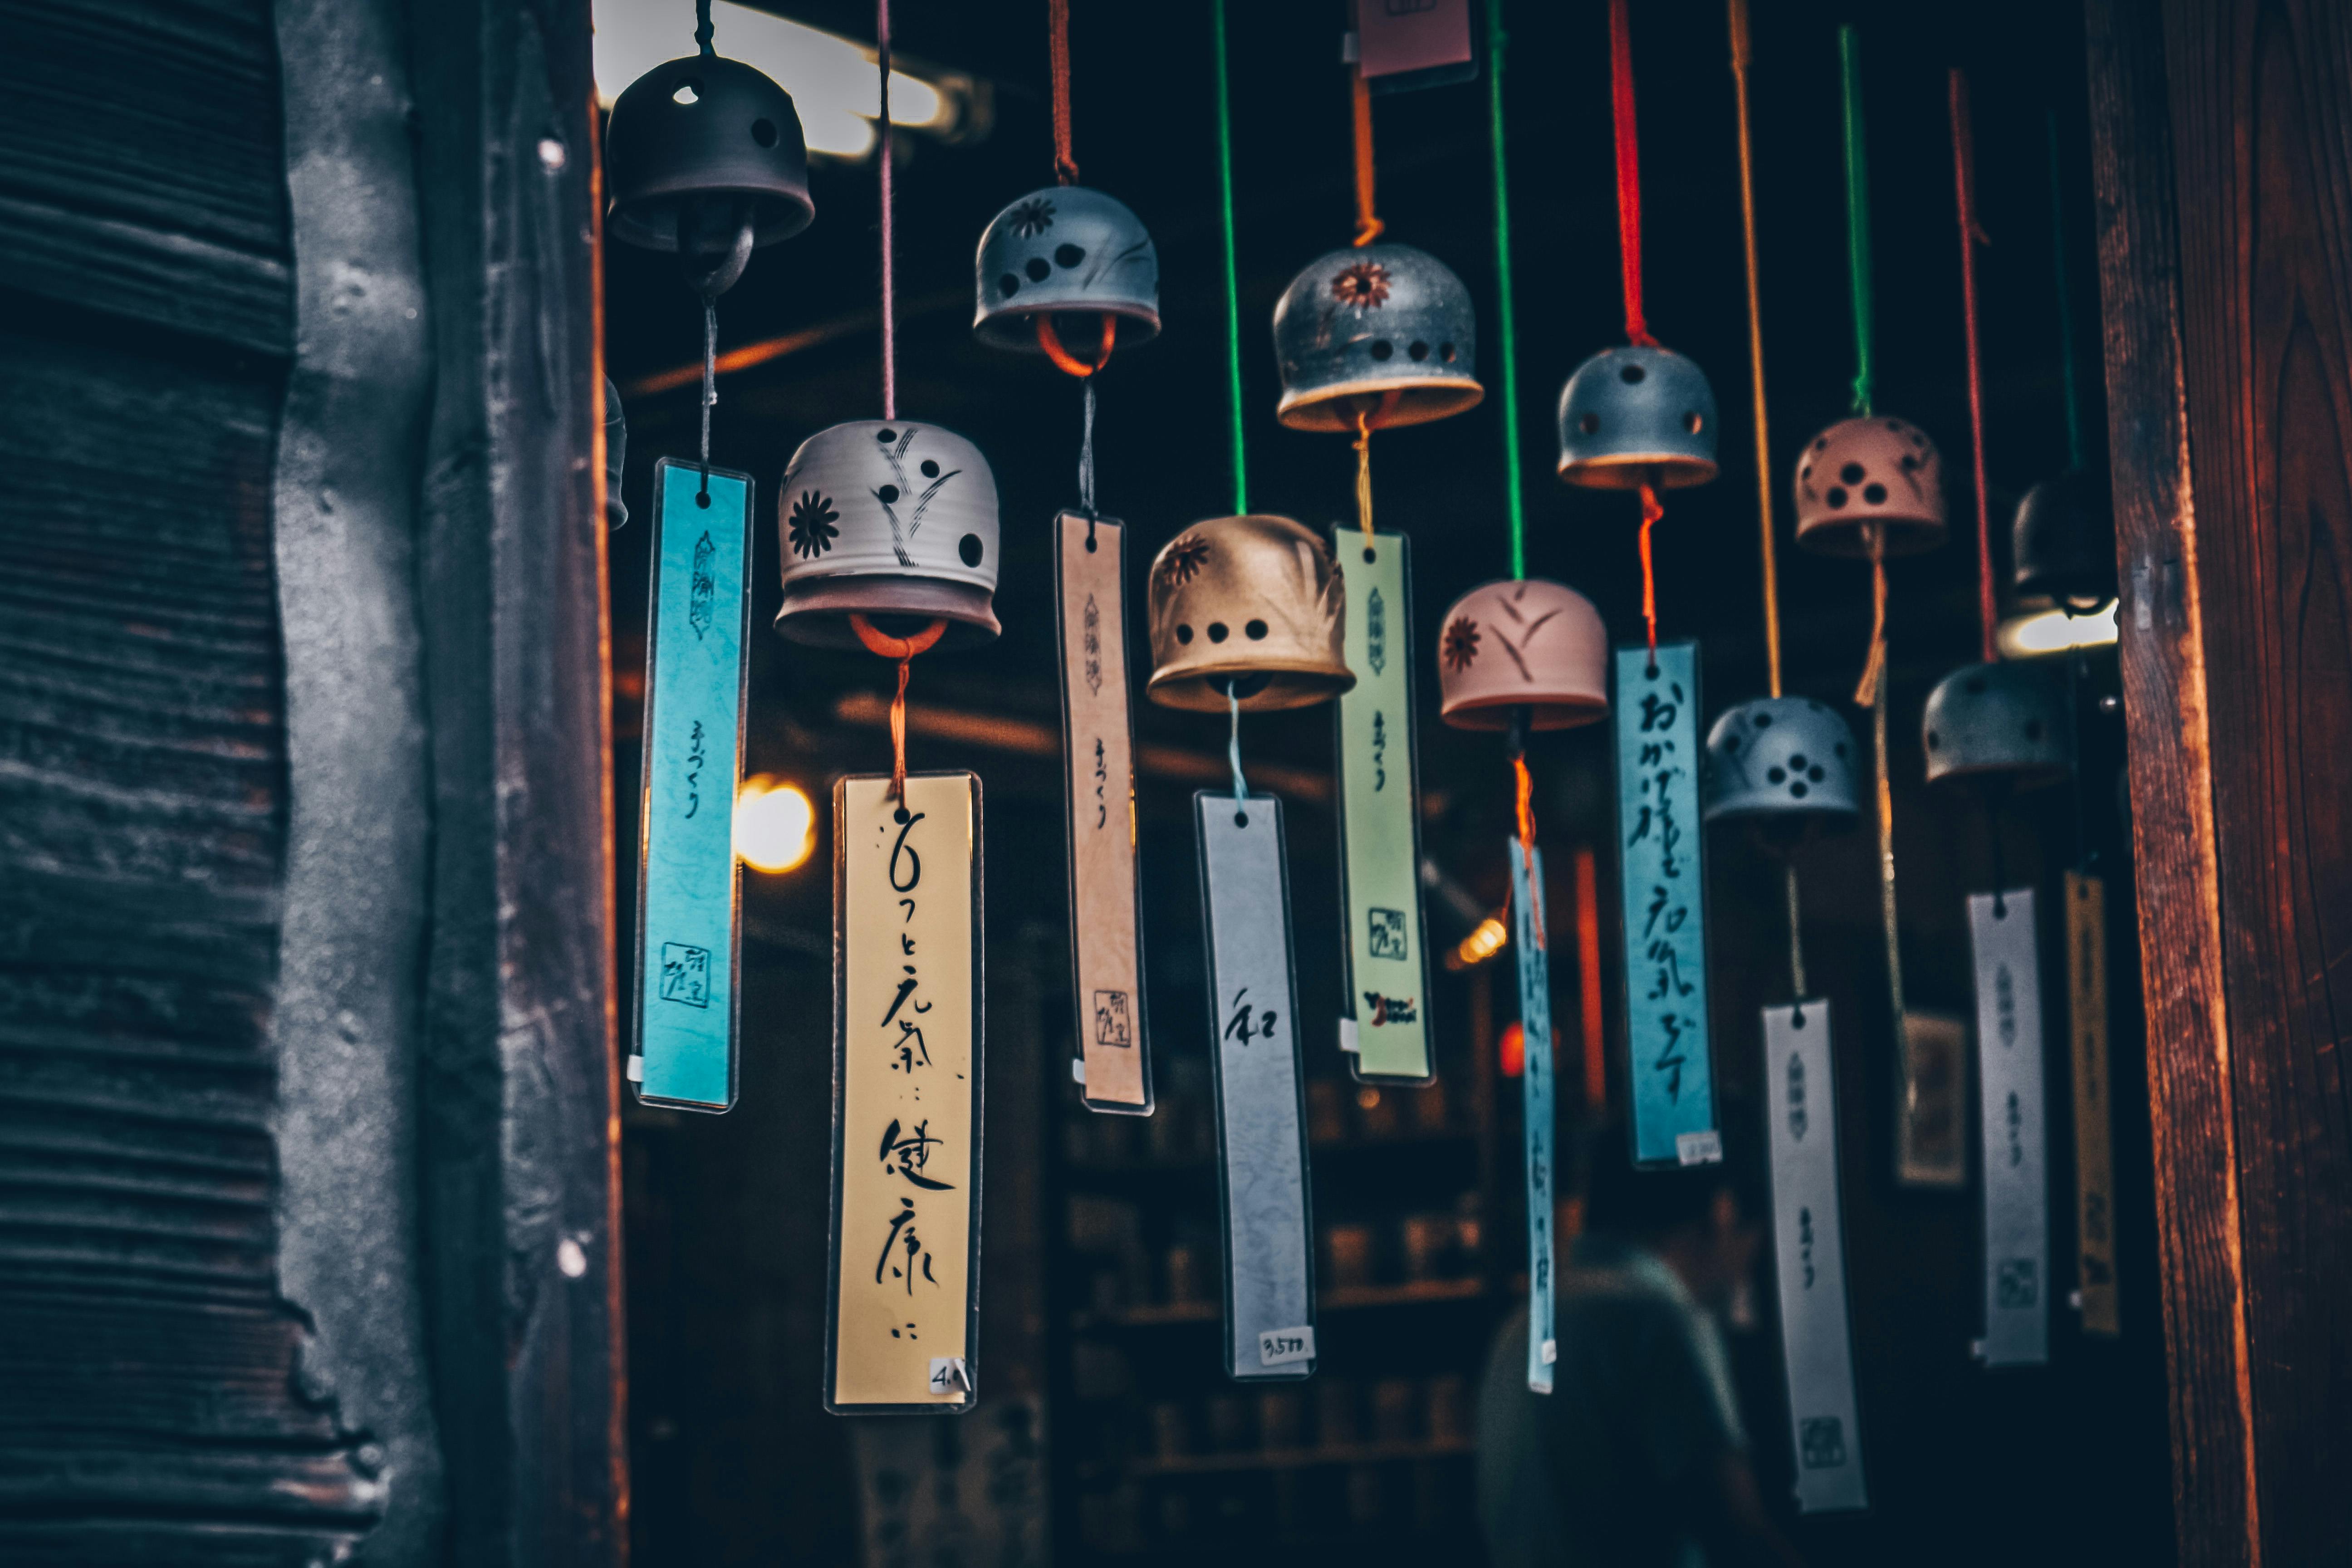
(1251, 605)
(1532, 645)
(1870, 472)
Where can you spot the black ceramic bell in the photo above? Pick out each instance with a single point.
(2065, 540)
(711, 143)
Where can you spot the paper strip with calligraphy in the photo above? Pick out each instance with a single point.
(1098, 749)
(697, 632)
(1809, 1246)
(902, 1317)
(2095, 1171)
(1535, 1076)
(1375, 753)
(2009, 1080)
(1665, 888)
(1260, 1119)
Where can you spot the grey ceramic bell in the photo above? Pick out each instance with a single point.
(709, 142)
(1066, 252)
(1780, 759)
(1381, 330)
(2064, 541)
(1636, 415)
(1999, 722)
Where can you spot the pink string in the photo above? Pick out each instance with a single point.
(889, 305)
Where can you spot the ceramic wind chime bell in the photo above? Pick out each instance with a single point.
(1251, 605)
(2064, 541)
(1995, 723)
(1528, 645)
(1865, 473)
(1073, 262)
(1385, 331)
(1780, 760)
(701, 148)
(1635, 415)
(892, 520)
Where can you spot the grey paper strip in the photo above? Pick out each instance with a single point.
(1809, 1249)
(2009, 1076)
(1261, 1120)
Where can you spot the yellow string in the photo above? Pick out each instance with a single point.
(1739, 60)
(1364, 474)
(1873, 669)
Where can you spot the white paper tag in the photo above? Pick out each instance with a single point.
(1079, 1072)
(948, 1376)
(1280, 1347)
(1548, 1352)
(1347, 1037)
(2009, 1081)
(1699, 1148)
(637, 1070)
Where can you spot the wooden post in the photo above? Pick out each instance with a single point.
(2222, 137)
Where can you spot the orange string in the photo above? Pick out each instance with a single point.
(1065, 163)
(1651, 513)
(1873, 669)
(904, 650)
(1051, 341)
(1368, 225)
(1527, 847)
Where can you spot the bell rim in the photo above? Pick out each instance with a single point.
(1294, 685)
(2017, 775)
(992, 325)
(1624, 471)
(813, 618)
(1756, 809)
(1843, 536)
(1548, 710)
(1441, 398)
(798, 210)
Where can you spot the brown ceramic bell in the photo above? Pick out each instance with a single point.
(1252, 605)
(1870, 473)
(1532, 645)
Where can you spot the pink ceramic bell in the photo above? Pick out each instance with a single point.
(1870, 475)
(1532, 645)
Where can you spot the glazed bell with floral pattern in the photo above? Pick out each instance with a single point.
(1999, 723)
(1866, 476)
(1253, 606)
(1780, 759)
(1074, 257)
(1530, 645)
(1383, 331)
(1636, 415)
(891, 520)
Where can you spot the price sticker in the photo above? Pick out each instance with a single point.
(1280, 1347)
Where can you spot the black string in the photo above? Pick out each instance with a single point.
(709, 384)
(1999, 869)
(702, 28)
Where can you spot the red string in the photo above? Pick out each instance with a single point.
(904, 650)
(1971, 236)
(1651, 513)
(1526, 792)
(1051, 341)
(1629, 173)
(1065, 163)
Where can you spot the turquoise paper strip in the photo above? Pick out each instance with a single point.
(1663, 886)
(687, 876)
(1535, 1079)
(1387, 967)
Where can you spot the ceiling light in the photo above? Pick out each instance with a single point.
(2039, 632)
(831, 78)
(775, 825)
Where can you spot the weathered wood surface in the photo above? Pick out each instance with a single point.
(2224, 137)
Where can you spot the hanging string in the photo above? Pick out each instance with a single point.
(1525, 801)
(1233, 285)
(1964, 182)
(702, 29)
(1364, 475)
(1797, 991)
(889, 299)
(1857, 215)
(1873, 669)
(1087, 466)
(1740, 57)
(709, 386)
(1887, 900)
(1629, 172)
(1360, 98)
(2065, 299)
(1065, 164)
(1233, 742)
(904, 650)
(1651, 513)
(1515, 505)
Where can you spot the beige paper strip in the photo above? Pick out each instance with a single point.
(1097, 745)
(2095, 1175)
(907, 1095)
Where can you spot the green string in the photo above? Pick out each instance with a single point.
(1857, 215)
(1233, 285)
(1514, 500)
(2065, 301)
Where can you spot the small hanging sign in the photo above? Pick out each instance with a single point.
(1406, 44)
(1809, 1246)
(1931, 1108)
(2009, 1077)
(1376, 753)
(697, 632)
(1529, 932)
(2094, 1174)
(1664, 887)
(902, 1318)
(1098, 752)
(1261, 1117)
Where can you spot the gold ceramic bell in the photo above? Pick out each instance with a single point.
(1254, 604)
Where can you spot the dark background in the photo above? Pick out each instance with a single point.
(733, 1458)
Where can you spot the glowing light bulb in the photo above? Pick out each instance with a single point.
(775, 825)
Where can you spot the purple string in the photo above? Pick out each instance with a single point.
(890, 308)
